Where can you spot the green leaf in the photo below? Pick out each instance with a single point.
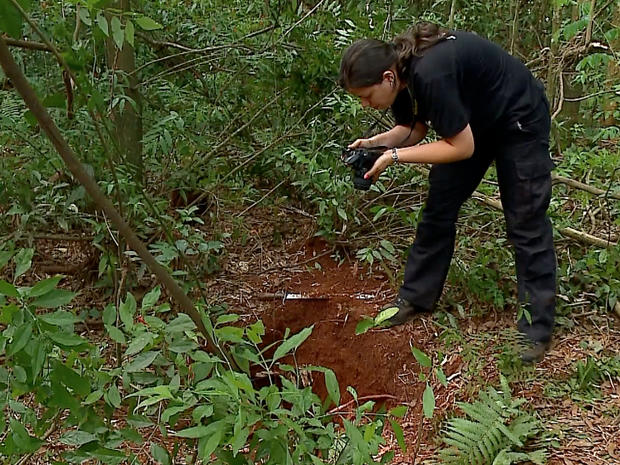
(364, 325)
(230, 334)
(195, 432)
(224, 319)
(116, 334)
(239, 440)
(20, 339)
(400, 437)
(85, 16)
(5, 256)
(386, 315)
(423, 359)
(117, 32)
(8, 289)
(180, 324)
(387, 245)
(211, 444)
(20, 374)
(127, 310)
(399, 411)
(171, 411)
(109, 314)
(59, 318)
(357, 440)
(428, 401)
(43, 287)
(147, 23)
(130, 33)
(141, 362)
(441, 376)
(333, 388)
(292, 343)
(159, 454)
(38, 357)
(77, 438)
(67, 339)
(139, 343)
(151, 298)
(103, 24)
(113, 397)
(10, 19)
(93, 397)
(23, 259)
(54, 299)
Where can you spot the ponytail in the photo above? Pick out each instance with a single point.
(415, 41)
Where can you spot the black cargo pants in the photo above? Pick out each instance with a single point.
(521, 155)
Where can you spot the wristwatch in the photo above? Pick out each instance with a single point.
(394, 155)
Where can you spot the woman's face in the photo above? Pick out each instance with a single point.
(379, 96)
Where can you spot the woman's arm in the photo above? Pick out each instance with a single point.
(398, 136)
(457, 148)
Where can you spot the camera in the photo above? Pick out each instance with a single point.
(362, 160)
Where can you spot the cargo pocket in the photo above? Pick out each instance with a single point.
(532, 189)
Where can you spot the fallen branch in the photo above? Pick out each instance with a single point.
(14, 73)
(584, 187)
(570, 232)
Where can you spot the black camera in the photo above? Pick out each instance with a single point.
(362, 160)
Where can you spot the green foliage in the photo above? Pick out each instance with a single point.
(494, 426)
(164, 379)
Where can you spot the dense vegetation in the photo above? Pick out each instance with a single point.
(184, 112)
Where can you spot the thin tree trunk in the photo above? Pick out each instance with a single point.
(515, 26)
(452, 11)
(552, 71)
(128, 119)
(14, 73)
(613, 73)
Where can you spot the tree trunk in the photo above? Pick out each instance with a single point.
(515, 27)
(127, 117)
(613, 76)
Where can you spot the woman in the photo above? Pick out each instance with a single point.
(485, 106)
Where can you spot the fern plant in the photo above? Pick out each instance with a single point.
(495, 426)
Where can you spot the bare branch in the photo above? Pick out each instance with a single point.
(27, 45)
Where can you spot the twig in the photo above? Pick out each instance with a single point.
(288, 31)
(262, 198)
(585, 97)
(293, 265)
(342, 407)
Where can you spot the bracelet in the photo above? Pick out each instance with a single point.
(394, 155)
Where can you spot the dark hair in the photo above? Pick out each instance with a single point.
(365, 61)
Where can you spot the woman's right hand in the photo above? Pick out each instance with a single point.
(367, 143)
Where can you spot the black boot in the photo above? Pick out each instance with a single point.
(406, 311)
(534, 352)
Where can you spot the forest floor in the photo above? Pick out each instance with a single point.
(326, 288)
(288, 278)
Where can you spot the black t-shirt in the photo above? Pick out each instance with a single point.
(467, 79)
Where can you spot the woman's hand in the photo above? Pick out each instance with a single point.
(367, 143)
(381, 164)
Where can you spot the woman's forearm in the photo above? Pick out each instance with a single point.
(400, 136)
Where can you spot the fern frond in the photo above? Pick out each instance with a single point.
(494, 426)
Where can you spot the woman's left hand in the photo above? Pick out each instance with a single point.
(382, 163)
